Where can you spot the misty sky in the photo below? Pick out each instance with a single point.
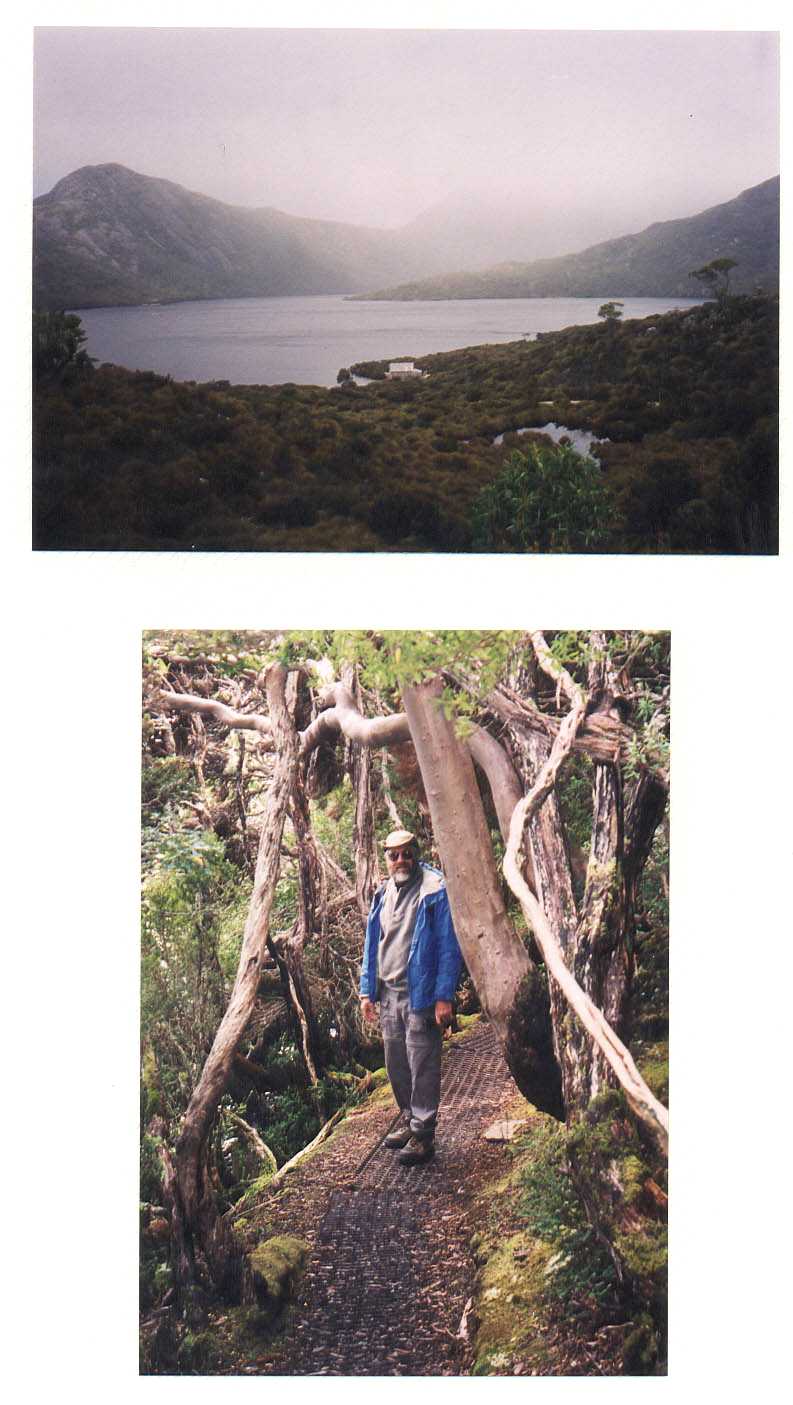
(376, 126)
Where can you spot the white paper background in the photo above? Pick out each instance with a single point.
(71, 746)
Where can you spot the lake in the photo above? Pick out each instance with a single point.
(271, 341)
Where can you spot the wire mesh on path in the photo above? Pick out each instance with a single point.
(388, 1280)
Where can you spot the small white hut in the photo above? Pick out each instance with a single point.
(402, 371)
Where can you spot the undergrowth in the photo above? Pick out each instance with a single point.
(580, 1271)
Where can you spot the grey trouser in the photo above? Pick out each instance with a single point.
(413, 1044)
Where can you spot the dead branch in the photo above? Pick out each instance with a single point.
(253, 1139)
(221, 712)
(551, 666)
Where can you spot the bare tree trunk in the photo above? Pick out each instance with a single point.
(603, 957)
(603, 960)
(508, 984)
(396, 820)
(287, 949)
(367, 874)
(202, 1226)
(549, 860)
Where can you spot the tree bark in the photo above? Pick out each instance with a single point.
(287, 949)
(647, 1108)
(601, 737)
(548, 859)
(367, 873)
(396, 819)
(509, 986)
(603, 960)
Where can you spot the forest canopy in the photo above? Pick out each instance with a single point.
(273, 767)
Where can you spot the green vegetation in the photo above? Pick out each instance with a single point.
(543, 500)
(548, 1284)
(715, 277)
(57, 343)
(276, 1265)
(688, 402)
(554, 1296)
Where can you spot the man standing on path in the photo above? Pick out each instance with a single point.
(411, 965)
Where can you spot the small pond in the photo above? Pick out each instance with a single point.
(580, 439)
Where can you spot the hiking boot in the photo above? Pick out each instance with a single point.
(398, 1138)
(417, 1151)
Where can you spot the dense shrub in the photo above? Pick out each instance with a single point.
(543, 500)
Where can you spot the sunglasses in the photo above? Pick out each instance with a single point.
(394, 854)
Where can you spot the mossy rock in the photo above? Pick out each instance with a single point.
(468, 1022)
(645, 1252)
(509, 1305)
(276, 1266)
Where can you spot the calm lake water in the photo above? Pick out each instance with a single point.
(271, 341)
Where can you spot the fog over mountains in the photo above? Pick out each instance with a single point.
(655, 263)
(106, 235)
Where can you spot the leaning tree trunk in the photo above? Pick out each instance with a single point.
(509, 986)
(202, 1229)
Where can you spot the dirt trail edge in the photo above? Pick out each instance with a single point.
(390, 1271)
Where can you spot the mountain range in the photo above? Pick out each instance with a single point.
(655, 263)
(108, 236)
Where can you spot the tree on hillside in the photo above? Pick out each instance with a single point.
(57, 343)
(715, 277)
(611, 312)
(491, 720)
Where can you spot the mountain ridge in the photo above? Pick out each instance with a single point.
(105, 235)
(108, 236)
(655, 262)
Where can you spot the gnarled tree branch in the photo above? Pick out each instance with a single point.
(221, 712)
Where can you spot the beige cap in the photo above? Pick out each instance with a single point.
(398, 837)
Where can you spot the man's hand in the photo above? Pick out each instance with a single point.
(368, 1010)
(443, 1013)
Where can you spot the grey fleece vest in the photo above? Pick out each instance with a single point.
(397, 920)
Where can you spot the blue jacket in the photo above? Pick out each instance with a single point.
(435, 959)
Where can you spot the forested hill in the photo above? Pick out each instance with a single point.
(655, 263)
(105, 235)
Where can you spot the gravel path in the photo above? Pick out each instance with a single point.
(390, 1271)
